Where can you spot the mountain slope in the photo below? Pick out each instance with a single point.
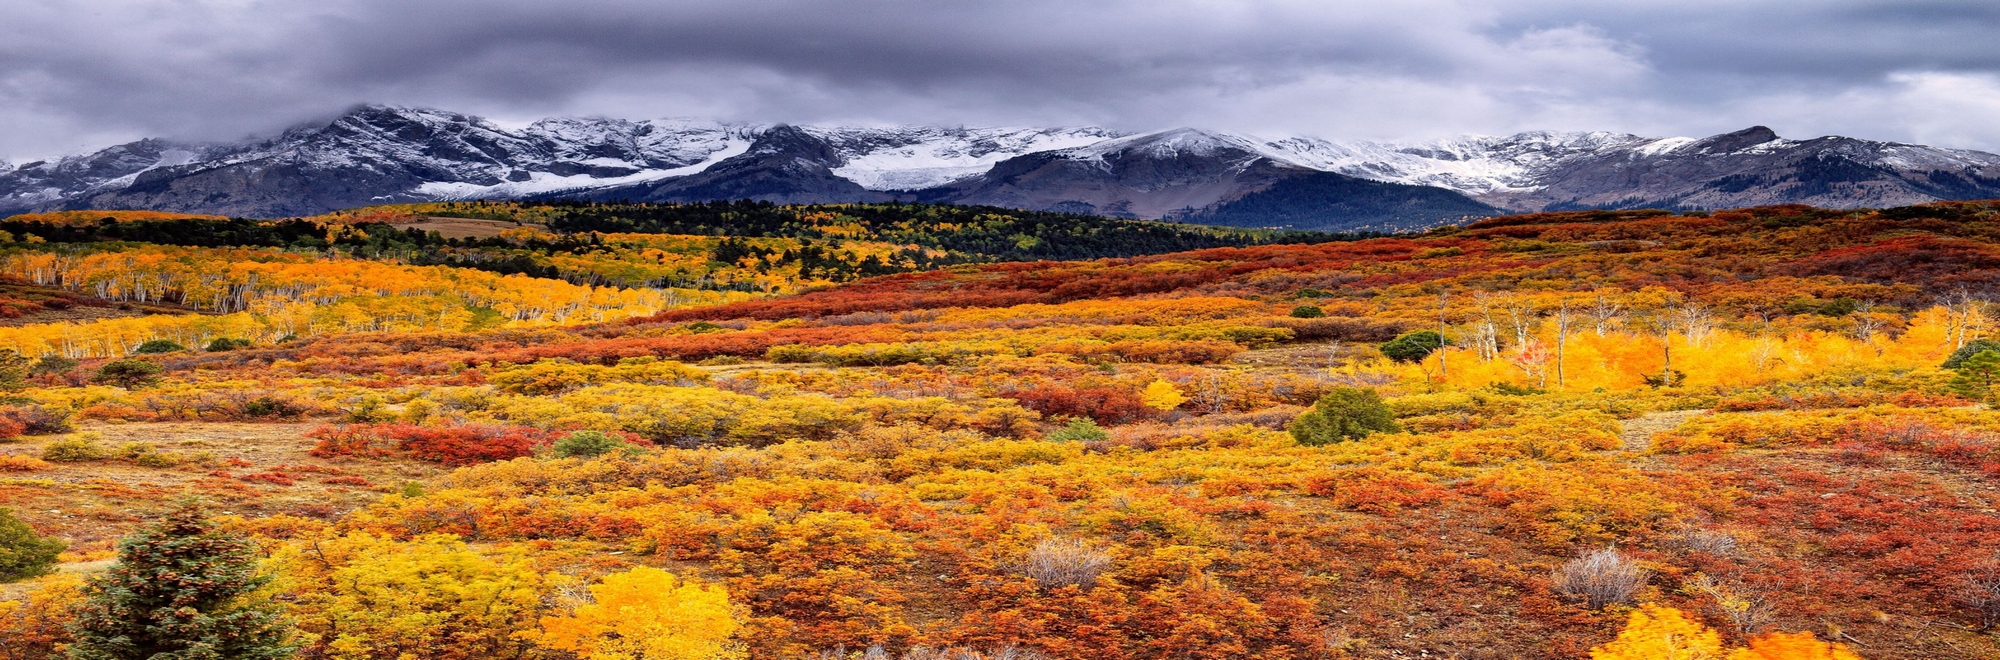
(784, 165)
(381, 154)
(1213, 178)
(919, 157)
(1333, 202)
(1557, 171)
(1756, 167)
(1145, 176)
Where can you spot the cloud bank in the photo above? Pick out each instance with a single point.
(79, 74)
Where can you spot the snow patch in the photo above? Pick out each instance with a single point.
(912, 158)
(1473, 164)
(541, 183)
(1663, 145)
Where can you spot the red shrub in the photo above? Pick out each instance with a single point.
(348, 481)
(343, 440)
(1928, 259)
(1105, 405)
(273, 477)
(1837, 399)
(1373, 490)
(1162, 351)
(315, 469)
(467, 445)
(450, 445)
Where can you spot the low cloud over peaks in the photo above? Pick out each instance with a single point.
(78, 75)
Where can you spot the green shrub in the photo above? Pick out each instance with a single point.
(14, 370)
(369, 410)
(1307, 312)
(1413, 346)
(226, 344)
(146, 455)
(23, 554)
(1081, 429)
(418, 411)
(266, 406)
(76, 448)
(53, 364)
(588, 444)
(1970, 349)
(1346, 413)
(1510, 389)
(129, 374)
(153, 346)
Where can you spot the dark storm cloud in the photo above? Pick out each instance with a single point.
(83, 73)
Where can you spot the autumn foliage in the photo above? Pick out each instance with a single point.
(1730, 435)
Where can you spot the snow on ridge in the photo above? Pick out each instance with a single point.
(542, 183)
(1664, 145)
(1170, 143)
(168, 158)
(467, 157)
(1470, 164)
(910, 158)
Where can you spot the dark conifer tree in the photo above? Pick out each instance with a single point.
(178, 592)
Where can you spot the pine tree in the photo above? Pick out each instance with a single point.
(178, 593)
(1976, 374)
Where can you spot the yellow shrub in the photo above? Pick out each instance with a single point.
(647, 613)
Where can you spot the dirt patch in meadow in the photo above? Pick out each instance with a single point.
(462, 227)
(253, 470)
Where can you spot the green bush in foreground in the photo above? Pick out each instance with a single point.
(588, 444)
(1081, 429)
(1346, 413)
(180, 589)
(23, 554)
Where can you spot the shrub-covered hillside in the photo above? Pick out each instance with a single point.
(1752, 434)
(738, 246)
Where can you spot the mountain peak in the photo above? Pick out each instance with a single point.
(1737, 141)
(1172, 143)
(375, 153)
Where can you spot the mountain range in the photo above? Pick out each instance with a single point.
(377, 154)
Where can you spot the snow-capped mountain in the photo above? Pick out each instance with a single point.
(918, 157)
(1474, 165)
(380, 154)
(1553, 171)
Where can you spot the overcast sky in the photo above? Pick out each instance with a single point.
(82, 74)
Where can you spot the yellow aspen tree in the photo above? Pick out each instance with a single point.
(1793, 646)
(1661, 633)
(647, 614)
(1162, 396)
